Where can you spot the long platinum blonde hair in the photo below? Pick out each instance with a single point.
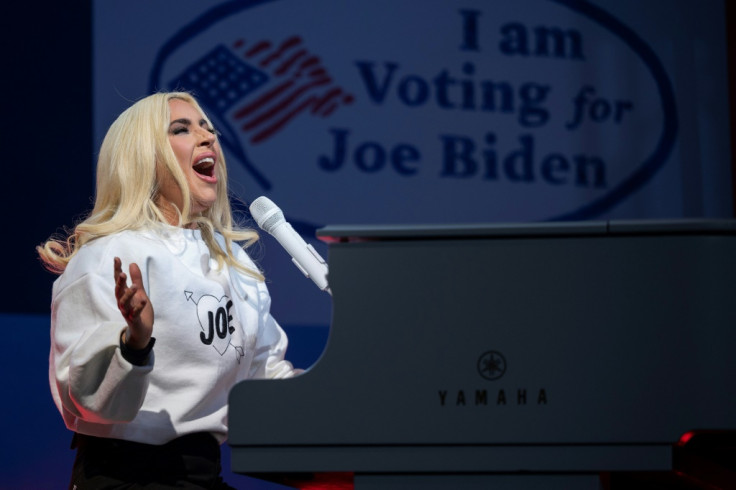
(135, 148)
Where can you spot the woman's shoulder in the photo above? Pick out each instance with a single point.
(97, 254)
(125, 242)
(239, 253)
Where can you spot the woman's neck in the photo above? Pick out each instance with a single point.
(172, 214)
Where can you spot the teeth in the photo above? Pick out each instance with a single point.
(205, 162)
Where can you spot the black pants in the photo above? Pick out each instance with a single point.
(191, 461)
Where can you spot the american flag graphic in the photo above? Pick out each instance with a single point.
(258, 89)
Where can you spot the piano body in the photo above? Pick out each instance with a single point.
(563, 355)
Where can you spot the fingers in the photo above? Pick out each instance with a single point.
(124, 302)
(126, 296)
(135, 275)
(129, 304)
(120, 278)
(133, 304)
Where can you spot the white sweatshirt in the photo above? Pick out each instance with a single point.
(213, 328)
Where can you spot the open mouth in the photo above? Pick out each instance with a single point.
(205, 166)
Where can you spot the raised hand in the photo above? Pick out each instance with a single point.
(134, 305)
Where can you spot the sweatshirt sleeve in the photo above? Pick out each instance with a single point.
(90, 377)
(271, 345)
(271, 341)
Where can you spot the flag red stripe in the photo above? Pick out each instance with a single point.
(332, 94)
(275, 110)
(288, 63)
(285, 46)
(308, 63)
(276, 126)
(264, 99)
(257, 48)
(329, 110)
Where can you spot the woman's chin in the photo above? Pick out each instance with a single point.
(200, 206)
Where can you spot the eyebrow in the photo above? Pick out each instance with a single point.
(187, 122)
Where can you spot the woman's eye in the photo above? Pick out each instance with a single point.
(179, 130)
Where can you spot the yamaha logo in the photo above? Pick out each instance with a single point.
(491, 365)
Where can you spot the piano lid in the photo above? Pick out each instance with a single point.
(350, 233)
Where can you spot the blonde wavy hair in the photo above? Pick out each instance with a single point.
(135, 147)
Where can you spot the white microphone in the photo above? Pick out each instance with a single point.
(271, 220)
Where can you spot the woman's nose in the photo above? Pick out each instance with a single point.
(206, 138)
